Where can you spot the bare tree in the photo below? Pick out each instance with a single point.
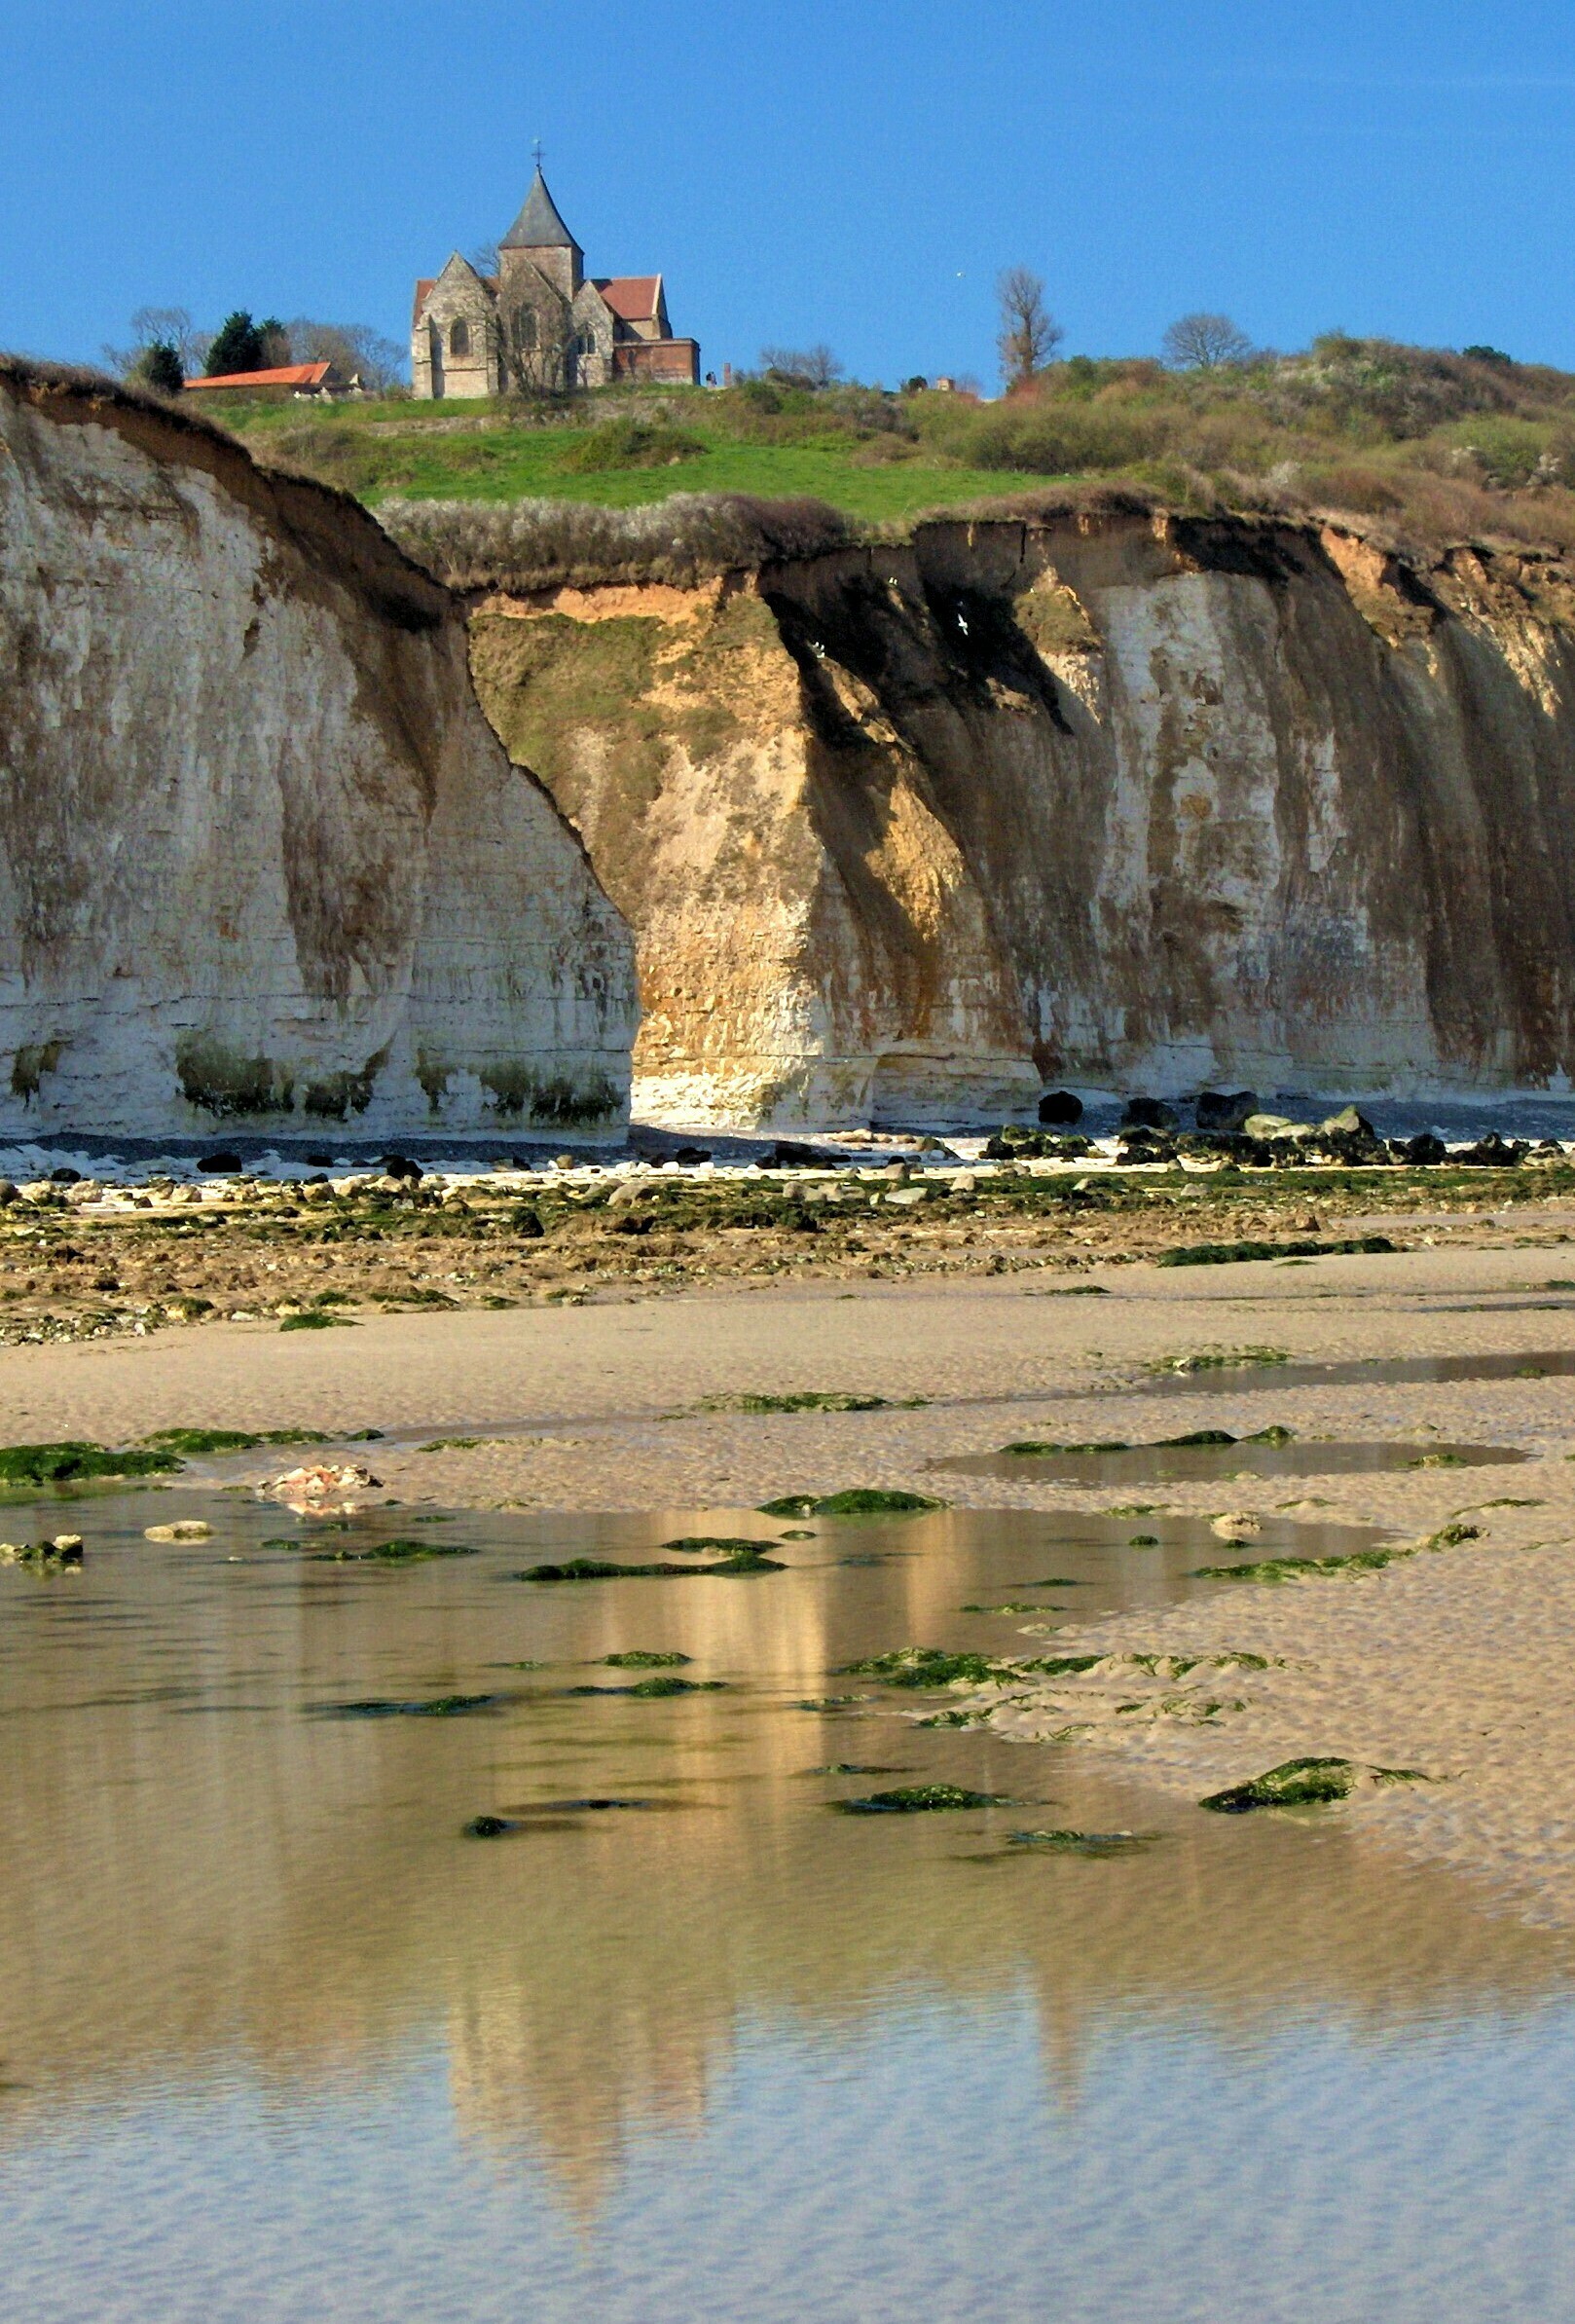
(1205, 343)
(1029, 332)
(354, 349)
(160, 327)
(484, 258)
(802, 367)
(537, 345)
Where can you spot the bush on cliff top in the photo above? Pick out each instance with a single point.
(534, 544)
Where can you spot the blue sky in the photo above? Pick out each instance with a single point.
(856, 173)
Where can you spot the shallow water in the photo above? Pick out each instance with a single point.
(278, 2041)
(1203, 1464)
(1535, 1363)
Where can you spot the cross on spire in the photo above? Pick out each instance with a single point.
(536, 149)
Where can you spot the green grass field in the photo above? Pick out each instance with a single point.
(478, 452)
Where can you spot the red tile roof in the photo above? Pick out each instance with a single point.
(287, 375)
(424, 291)
(632, 297)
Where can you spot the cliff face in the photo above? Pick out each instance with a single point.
(1128, 802)
(262, 862)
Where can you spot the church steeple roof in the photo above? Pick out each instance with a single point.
(538, 227)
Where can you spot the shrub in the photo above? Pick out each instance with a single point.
(534, 544)
(629, 444)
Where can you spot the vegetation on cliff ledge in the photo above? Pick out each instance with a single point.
(1425, 444)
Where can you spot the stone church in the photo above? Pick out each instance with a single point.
(542, 324)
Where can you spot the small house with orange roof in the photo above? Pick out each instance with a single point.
(284, 380)
(540, 323)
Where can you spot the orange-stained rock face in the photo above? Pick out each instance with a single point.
(261, 860)
(1128, 802)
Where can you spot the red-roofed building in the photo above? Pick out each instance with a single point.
(285, 379)
(541, 322)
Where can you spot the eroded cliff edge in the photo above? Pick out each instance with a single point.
(1130, 800)
(262, 860)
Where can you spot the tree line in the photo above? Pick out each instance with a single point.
(167, 349)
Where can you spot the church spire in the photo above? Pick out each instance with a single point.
(538, 227)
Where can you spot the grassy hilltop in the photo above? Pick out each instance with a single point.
(1431, 445)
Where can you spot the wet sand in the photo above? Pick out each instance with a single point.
(1454, 1662)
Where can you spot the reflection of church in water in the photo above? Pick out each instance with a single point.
(540, 323)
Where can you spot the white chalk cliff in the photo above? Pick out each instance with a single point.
(1129, 802)
(263, 863)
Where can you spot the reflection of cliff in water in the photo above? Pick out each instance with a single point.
(202, 1881)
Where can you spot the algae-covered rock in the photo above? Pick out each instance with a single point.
(75, 1458)
(1304, 1783)
(861, 1500)
(61, 1553)
(919, 1799)
(1064, 1842)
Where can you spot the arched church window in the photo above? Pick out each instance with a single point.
(525, 329)
(459, 337)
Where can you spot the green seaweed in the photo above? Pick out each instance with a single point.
(1275, 1569)
(197, 1441)
(1220, 1254)
(224, 1084)
(859, 1501)
(1012, 1606)
(1356, 1560)
(1081, 1843)
(809, 1400)
(73, 1457)
(427, 1707)
(728, 1545)
(547, 1816)
(1039, 1448)
(915, 1799)
(1304, 1783)
(315, 1319)
(658, 1687)
(644, 1658)
(607, 1569)
(32, 1061)
(401, 1551)
(1218, 1359)
(940, 1666)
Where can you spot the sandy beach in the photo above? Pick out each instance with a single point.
(1452, 1662)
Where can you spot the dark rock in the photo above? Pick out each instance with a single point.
(1150, 1113)
(1347, 1122)
(690, 1155)
(400, 1165)
(9, 1192)
(1225, 1110)
(1493, 1153)
(221, 1163)
(65, 1177)
(1059, 1109)
(1142, 1145)
(788, 1155)
(320, 1161)
(527, 1223)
